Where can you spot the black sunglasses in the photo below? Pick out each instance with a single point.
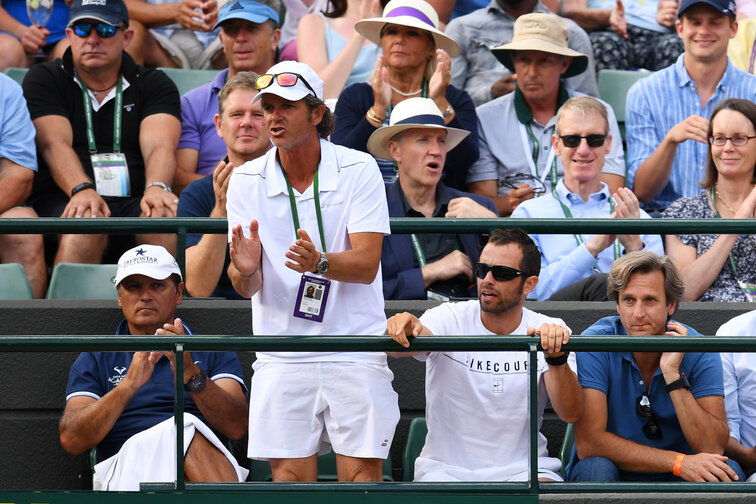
(500, 273)
(573, 141)
(513, 181)
(643, 408)
(286, 79)
(104, 30)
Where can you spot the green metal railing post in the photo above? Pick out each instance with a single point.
(179, 417)
(181, 249)
(533, 416)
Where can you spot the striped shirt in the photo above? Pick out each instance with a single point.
(656, 104)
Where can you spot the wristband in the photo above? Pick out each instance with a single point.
(558, 361)
(678, 464)
(375, 117)
(81, 187)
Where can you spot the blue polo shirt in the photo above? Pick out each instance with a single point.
(617, 375)
(94, 374)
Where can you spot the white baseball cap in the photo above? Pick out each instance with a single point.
(149, 260)
(308, 82)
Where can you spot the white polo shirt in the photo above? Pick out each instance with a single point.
(353, 200)
(477, 403)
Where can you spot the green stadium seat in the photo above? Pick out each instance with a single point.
(415, 441)
(82, 281)
(186, 80)
(613, 86)
(13, 282)
(565, 452)
(17, 74)
(260, 469)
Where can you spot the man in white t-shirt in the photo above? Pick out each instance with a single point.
(312, 214)
(477, 402)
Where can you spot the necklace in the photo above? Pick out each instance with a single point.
(716, 191)
(108, 88)
(402, 93)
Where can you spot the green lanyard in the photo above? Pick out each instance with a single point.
(295, 214)
(716, 212)
(536, 150)
(116, 116)
(579, 238)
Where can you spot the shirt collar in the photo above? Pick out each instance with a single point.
(219, 81)
(684, 79)
(495, 7)
(328, 170)
(524, 115)
(566, 195)
(443, 197)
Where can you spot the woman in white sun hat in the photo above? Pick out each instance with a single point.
(416, 62)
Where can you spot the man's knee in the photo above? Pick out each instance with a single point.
(738, 470)
(205, 462)
(594, 469)
(359, 469)
(295, 469)
(11, 52)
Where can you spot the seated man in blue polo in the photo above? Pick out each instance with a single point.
(426, 266)
(122, 402)
(650, 416)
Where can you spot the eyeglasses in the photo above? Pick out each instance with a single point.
(643, 408)
(286, 79)
(737, 141)
(573, 141)
(104, 30)
(514, 181)
(500, 273)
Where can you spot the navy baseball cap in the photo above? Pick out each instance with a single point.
(248, 10)
(112, 12)
(726, 7)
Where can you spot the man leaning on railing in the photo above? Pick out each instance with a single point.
(650, 416)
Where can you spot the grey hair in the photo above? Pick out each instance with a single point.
(582, 106)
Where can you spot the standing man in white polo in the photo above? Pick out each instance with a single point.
(311, 214)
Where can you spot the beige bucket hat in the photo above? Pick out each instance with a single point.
(541, 32)
(415, 13)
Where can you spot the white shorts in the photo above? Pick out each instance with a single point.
(433, 470)
(298, 410)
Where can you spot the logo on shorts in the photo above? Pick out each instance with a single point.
(385, 443)
(116, 379)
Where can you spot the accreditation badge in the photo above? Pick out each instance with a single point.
(111, 174)
(749, 290)
(312, 297)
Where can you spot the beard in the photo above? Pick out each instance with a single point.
(503, 304)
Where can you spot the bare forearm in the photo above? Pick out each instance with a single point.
(704, 432)
(82, 428)
(587, 19)
(152, 14)
(353, 266)
(9, 24)
(565, 392)
(742, 455)
(204, 265)
(160, 165)
(336, 73)
(246, 286)
(626, 455)
(228, 413)
(653, 174)
(15, 187)
(701, 273)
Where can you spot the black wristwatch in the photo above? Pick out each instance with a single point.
(196, 382)
(681, 382)
(81, 187)
(558, 361)
(321, 268)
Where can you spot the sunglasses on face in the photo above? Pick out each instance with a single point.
(287, 79)
(104, 30)
(500, 273)
(572, 141)
(737, 141)
(643, 408)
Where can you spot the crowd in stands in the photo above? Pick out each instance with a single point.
(321, 125)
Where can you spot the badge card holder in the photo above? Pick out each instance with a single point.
(111, 174)
(312, 298)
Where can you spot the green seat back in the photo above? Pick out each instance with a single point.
(82, 281)
(613, 86)
(17, 74)
(186, 80)
(565, 452)
(13, 282)
(415, 442)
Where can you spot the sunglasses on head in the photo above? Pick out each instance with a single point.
(104, 30)
(286, 79)
(500, 273)
(643, 408)
(573, 141)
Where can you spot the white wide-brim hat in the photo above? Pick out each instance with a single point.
(151, 261)
(541, 32)
(415, 13)
(410, 114)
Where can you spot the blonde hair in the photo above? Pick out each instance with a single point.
(642, 261)
(583, 106)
